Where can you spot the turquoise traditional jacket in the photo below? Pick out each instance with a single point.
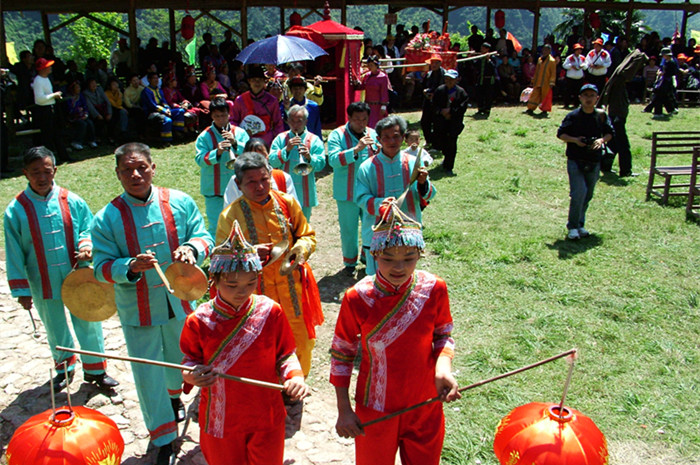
(305, 186)
(380, 177)
(345, 162)
(128, 226)
(215, 175)
(42, 236)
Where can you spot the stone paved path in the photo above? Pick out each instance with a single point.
(24, 373)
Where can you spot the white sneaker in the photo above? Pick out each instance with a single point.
(92, 144)
(582, 232)
(76, 146)
(573, 235)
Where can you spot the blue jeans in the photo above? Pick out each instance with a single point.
(581, 186)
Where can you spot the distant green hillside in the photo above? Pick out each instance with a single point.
(23, 28)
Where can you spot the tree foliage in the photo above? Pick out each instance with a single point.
(85, 38)
(91, 39)
(612, 23)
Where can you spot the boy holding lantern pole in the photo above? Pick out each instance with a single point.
(402, 319)
(241, 334)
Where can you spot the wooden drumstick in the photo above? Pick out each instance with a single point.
(240, 379)
(161, 274)
(472, 386)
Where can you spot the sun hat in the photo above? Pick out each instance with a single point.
(586, 87)
(43, 63)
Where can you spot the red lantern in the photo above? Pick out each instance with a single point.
(76, 436)
(535, 434)
(499, 19)
(187, 27)
(295, 19)
(594, 20)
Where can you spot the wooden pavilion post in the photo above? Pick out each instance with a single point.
(133, 37)
(344, 12)
(628, 19)
(388, 26)
(536, 27)
(684, 21)
(171, 17)
(4, 62)
(445, 15)
(488, 21)
(45, 26)
(282, 29)
(244, 23)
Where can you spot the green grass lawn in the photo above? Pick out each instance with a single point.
(627, 297)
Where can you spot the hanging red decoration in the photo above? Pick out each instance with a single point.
(295, 19)
(535, 434)
(187, 27)
(594, 19)
(499, 19)
(75, 436)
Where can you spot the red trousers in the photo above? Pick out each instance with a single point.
(417, 435)
(256, 448)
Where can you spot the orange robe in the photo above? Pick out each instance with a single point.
(544, 80)
(241, 423)
(402, 332)
(273, 222)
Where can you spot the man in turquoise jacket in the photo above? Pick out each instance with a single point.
(216, 145)
(144, 226)
(349, 146)
(388, 174)
(47, 234)
(294, 146)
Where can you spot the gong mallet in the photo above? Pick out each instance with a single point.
(175, 366)
(163, 278)
(472, 386)
(36, 334)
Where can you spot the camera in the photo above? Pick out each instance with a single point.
(588, 140)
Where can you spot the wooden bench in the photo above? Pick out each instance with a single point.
(692, 208)
(688, 94)
(676, 146)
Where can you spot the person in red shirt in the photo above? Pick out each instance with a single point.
(401, 318)
(247, 335)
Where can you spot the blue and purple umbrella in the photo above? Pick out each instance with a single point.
(280, 49)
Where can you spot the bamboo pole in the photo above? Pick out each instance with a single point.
(175, 366)
(472, 386)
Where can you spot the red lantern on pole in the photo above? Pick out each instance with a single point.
(187, 27)
(594, 19)
(295, 19)
(71, 436)
(535, 434)
(499, 19)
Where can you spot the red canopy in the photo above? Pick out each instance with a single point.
(343, 45)
(330, 27)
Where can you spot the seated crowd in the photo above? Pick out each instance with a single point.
(106, 103)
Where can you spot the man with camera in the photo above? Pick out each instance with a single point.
(585, 131)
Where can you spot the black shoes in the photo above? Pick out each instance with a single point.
(60, 382)
(166, 455)
(103, 380)
(178, 409)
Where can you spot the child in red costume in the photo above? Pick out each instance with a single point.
(402, 319)
(247, 335)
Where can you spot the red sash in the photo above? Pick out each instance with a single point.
(280, 180)
(311, 298)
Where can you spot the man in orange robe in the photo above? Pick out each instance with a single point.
(542, 83)
(268, 217)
